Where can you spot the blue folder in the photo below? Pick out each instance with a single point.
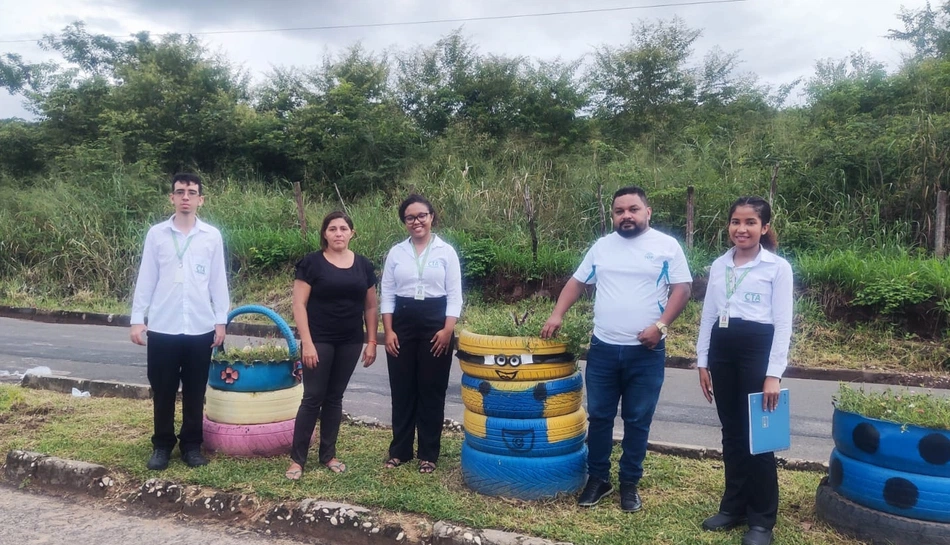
(769, 431)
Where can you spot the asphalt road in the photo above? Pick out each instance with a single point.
(682, 416)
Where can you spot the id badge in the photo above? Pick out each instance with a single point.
(420, 292)
(179, 276)
(724, 320)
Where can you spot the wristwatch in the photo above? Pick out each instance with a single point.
(662, 327)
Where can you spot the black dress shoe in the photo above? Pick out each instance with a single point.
(593, 492)
(194, 458)
(757, 535)
(159, 459)
(629, 498)
(721, 522)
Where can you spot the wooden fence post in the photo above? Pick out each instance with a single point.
(690, 209)
(301, 213)
(940, 235)
(773, 187)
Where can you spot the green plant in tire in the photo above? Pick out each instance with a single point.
(904, 407)
(525, 319)
(263, 353)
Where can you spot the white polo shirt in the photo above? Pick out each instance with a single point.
(633, 277)
(196, 303)
(441, 275)
(765, 295)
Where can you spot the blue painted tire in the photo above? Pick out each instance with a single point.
(912, 449)
(252, 376)
(526, 437)
(522, 399)
(910, 495)
(523, 478)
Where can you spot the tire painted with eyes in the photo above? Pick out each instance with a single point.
(905, 448)
(489, 345)
(522, 399)
(252, 407)
(525, 372)
(253, 440)
(873, 526)
(526, 437)
(910, 495)
(523, 478)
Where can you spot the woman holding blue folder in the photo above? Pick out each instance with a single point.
(742, 348)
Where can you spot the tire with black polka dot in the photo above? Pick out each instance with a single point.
(912, 449)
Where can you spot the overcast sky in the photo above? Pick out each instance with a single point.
(779, 40)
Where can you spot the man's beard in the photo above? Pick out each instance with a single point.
(629, 232)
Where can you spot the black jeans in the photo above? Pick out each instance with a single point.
(418, 380)
(323, 389)
(174, 360)
(738, 361)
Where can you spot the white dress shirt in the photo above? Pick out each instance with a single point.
(441, 276)
(764, 295)
(187, 296)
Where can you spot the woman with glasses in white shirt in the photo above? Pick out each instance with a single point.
(742, 348)
(421, 290)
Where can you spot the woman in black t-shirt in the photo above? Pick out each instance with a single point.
(334, 295)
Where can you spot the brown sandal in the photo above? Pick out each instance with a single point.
(426, 467)
(393, 463)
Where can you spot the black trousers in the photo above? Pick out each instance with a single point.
(174, 360)
(417, 379)
(323, 389)
(738, 361)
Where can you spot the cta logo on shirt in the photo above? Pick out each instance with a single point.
(752, 297)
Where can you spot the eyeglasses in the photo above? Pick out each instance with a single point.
(421, 217)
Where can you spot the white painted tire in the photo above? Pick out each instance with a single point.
(244, 408)
(254, 440)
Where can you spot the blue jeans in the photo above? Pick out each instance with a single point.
(632, 376)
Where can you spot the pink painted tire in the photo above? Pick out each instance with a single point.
(249, 440)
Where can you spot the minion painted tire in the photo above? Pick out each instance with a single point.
(526, 437)
(873, 526)
(522, 399)
(912, 449)
(489, 345)
(525, 372)
(524, 478)
(244, 408)
(910, 495)
(250, 440)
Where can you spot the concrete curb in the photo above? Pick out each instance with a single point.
(915, 380)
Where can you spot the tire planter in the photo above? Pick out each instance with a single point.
(490, 345)
(522, 399)
(521, 477)
(873, 526)
(910, 495)
(252, 407)
(904, 448)
(527, 437)
(255, 376)
(534, 371)
(249, 440)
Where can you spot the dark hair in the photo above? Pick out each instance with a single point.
(187, 178)
(631, 190)
(413, 199)
(336, 214)
(762, 208)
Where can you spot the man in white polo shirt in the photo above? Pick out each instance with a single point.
(183, 288)
(643, 283)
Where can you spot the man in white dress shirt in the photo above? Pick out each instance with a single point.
(182, 287)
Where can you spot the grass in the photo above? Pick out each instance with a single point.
(900, 406)
(526, 318)
(678, 492)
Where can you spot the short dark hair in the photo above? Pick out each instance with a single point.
(631, 190)
(416, 198)
(764, 210)
(336, 214)
(187, 178)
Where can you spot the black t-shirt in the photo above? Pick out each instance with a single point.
(337, 297)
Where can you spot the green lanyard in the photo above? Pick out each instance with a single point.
(421, 264)
(180, 252)
(732, 284)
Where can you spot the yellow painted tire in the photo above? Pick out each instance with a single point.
(534, 371)
(529, 437)
(522, 399)
(244, 408)
(490, 345)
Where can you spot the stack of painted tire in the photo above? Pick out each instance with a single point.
(525, 430)
(887, 483)
(250, 407)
